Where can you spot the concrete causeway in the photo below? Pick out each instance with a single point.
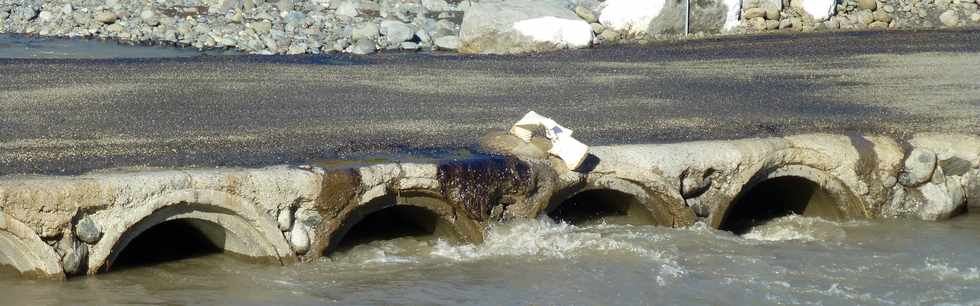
(64, 226)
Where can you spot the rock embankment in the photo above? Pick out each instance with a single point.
(469, 26)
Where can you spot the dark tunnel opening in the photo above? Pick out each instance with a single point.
(779, 197)
(170, 241)
(400, 221)
(602, 206)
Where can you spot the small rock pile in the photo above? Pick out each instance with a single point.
(860, 15)
(511, 26)
(253, 26)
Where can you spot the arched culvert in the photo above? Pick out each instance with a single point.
(171, 241)
(23, 251)
(604, 206)
(225, 222)
(415, 215)
(795, 190)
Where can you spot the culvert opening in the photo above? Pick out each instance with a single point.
(602, 206)
(400, 221)
(170, 241)
(779, 197)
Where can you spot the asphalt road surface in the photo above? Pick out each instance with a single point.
(71, 116)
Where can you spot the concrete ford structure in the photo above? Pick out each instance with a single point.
(52, 226)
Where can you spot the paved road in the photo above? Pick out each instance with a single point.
(69, 116)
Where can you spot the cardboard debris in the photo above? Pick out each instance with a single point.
(568, 149)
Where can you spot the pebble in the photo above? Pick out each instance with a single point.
(396, 32)
(882, 16)
(754, 12)
(949, 18)
(585, 14)
(365, 31)
(450, 42)
(608, 37)
(597, 27)
(105, 17)
(363, 47)
(409, 46)
(867, 4)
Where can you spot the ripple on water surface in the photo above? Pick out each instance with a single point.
(21, 46)
(792, 260)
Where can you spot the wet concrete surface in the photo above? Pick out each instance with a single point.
(65, 116)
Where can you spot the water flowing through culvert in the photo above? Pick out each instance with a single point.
(788, 260)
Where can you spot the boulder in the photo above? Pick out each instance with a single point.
(396, 32)
(86, 230)
(867, 4)
(630, 16)
(949, 18)
(299, 240)
(919, 167)
(777, 4)
(639, 17)
(363, 46)
(521, 26)
(354, 8)
(365, 31)
(450, 42)
(105, 17)
(820, 10)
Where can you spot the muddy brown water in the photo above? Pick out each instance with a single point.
(792, 260)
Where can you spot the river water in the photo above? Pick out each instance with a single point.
(793, 260)
(21, 46)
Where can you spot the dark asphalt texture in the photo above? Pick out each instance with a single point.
(64, 116)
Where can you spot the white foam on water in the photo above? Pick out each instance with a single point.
(945, 272)
(795, 227)
(548, 239)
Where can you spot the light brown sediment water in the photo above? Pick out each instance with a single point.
(794, 260)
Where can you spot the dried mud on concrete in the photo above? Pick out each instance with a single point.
(71, 116)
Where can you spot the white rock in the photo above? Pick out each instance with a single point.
(820, 9)
(46, 16)
(564, 33)
(299, 240)
(285, 219)
(629, 16)
(522, 26)
(435, 5)
(450, 42)
(731, 17)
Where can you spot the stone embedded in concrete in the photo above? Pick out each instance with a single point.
(76, 257)
(299, 239)
(285, 219)
(919, 168)
(286, 214)
(86, 230)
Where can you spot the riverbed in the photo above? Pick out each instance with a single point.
(794, 260)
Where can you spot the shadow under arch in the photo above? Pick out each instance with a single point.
(226, 222)
(408, 213)
(22, 249)
(785, 190)
(615, 200)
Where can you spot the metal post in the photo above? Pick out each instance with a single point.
(687, 18)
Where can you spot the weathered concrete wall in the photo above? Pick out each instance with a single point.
(56, 226)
